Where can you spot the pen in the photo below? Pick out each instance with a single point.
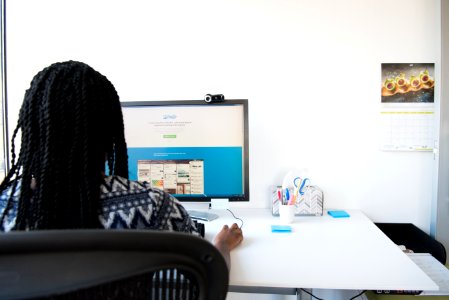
(287, 195)
(295, 196)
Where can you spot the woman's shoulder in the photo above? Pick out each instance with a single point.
(13, 189)
(9, 201)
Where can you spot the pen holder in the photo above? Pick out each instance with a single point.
(287, 213)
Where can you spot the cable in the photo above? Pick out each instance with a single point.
(235, 217)
(307, 292)
(360, 294)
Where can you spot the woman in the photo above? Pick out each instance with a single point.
(71, 124)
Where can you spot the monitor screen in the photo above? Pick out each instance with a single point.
(194, 150)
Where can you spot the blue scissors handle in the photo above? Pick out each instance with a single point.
(295, 182)
(300, 184)
(303, 184)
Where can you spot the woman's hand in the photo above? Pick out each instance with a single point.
(227, 239)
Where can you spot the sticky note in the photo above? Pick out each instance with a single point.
(281, 228)
(338, 213)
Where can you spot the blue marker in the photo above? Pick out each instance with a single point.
(287, 195)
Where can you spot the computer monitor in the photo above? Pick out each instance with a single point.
(195, 150)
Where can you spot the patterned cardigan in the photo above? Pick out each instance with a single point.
(125, 204)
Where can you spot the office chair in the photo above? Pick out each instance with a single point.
(110, 264)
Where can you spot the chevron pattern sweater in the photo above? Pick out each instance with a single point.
(126, 204)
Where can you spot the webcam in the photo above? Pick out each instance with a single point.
(214, 98)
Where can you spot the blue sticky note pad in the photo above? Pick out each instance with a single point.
(338, 213)
(281, 228)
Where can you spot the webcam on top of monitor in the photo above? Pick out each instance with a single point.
(214, 98)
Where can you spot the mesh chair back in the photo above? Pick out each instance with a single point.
(110, 264)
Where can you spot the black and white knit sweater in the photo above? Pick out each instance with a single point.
(126, 204)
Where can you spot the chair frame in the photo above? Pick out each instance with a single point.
(54, 262)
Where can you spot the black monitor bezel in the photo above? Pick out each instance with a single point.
(244, 102)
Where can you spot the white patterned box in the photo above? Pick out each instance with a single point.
(311, 202)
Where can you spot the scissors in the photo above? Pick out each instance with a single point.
(300, 183)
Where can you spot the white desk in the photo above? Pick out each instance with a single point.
(321, 252)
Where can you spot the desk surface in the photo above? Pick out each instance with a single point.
(321, 252)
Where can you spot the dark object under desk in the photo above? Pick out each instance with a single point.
(414, 239)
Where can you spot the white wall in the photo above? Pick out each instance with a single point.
(310, 69)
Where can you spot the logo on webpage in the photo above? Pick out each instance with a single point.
(169, 117)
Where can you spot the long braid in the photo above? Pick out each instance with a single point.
(45, 146)
(70, 121)
(86, 159)
(27, 119)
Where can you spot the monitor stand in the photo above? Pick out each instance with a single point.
(202, 215)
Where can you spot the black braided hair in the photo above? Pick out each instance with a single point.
(71, 122)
